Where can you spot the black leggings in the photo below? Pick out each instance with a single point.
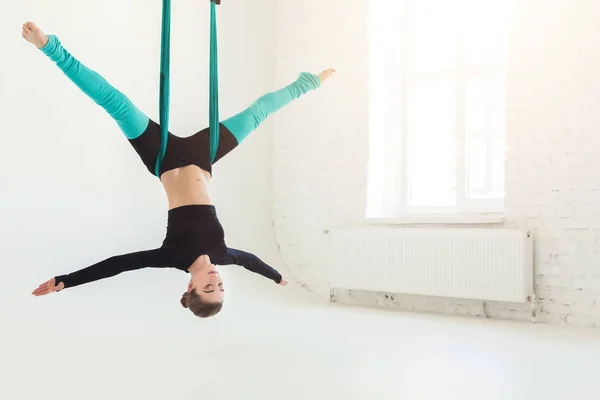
(191, 150)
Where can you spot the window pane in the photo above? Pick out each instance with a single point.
(476, 167)
(485, 168)
(433, 35)
(432, 143)
(485, 105)
(484, 31)
(498, 168)
(485, 136)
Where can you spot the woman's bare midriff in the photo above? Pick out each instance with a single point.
(186, 186)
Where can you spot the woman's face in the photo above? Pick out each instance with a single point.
(207, 281)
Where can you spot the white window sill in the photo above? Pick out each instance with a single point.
(440, 219)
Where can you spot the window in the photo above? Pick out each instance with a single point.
(437, 106)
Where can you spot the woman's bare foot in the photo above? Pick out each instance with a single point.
(34, 35)
(323, 76)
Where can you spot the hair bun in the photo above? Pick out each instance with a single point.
(184, 302)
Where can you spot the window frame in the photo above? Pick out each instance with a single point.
(461, 74)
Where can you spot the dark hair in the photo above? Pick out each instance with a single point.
(200, 308)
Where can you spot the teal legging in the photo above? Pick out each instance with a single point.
(240, 125)
(133, 122)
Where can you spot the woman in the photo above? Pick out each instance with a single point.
(195, 239)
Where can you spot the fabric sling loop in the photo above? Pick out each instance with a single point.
(164, 98)
(165, 60)
(214, 83)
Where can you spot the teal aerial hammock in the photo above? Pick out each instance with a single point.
(165, 60)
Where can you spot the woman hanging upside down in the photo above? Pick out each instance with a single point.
(195, 240)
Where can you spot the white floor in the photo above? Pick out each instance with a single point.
(280, 343)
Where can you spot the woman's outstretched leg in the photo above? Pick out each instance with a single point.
(240, 125)
(130, 119)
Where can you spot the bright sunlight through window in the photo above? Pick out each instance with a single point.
(438, 106)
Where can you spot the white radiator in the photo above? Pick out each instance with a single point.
(483, 264)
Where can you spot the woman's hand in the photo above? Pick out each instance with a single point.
(283, 282)
(48, 287)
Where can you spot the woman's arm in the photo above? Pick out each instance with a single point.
(107, 268)
(252, 263)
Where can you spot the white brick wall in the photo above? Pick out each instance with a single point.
(553, 167)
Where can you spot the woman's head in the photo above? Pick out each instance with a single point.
(205, 293)
(198, 306)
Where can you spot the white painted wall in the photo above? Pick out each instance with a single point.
(73, 191)
(553, 184)
(321, 143)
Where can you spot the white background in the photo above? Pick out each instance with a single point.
(74, 192)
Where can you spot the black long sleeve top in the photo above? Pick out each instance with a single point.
(192, 231)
